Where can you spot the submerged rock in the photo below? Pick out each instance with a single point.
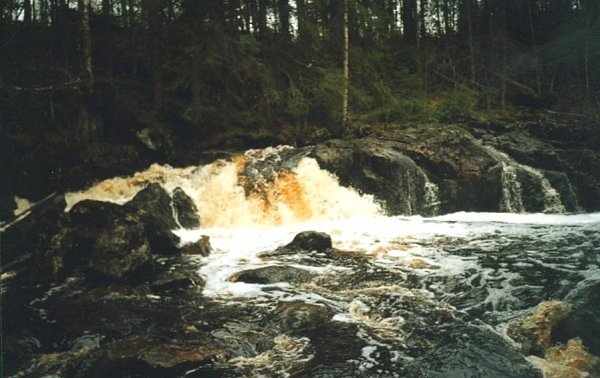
(273, 274)
(186, 210)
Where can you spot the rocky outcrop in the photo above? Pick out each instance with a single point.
(378, 167)
(106, 239)
(185, 209)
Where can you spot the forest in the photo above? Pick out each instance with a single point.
(270, 63)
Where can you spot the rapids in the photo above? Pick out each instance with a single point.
(487, 267)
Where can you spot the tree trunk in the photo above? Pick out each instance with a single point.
(538, 72)
(301, 17)
(345, 62)
(27, 16)
(469, 20)
(284, 18)
(151, 11)
(85, 126)
(87, 73)
(409, 20)
(423, 18)
(262, 18)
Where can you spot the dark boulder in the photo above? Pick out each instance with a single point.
(33, 233)
(186, 210)
(470, 351)
(200, 248)
(310, 241)
(106, 238)
(272, 274)
(153, 206)
(584, 318)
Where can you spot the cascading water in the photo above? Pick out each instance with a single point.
(388, 277)
(227, 196)
(512, 199)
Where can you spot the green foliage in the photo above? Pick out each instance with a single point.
(455, 106)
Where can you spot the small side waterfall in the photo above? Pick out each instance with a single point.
(431, 198)
(522, 185)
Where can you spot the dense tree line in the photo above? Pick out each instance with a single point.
(252, 63)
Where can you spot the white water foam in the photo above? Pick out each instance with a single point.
(243, 223)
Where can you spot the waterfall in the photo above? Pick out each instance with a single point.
(431, 198)
(259, 187)
(511, 177)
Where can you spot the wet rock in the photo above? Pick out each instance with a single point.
(574, 355)
(33, 233)
(555, 370)
(584, 319)
(160, 355)
(107, 239)
(153, 206)
(311, 241)
(534, 332)
(418, 263)
(186, 210)
(7, 206)
(273, 274)
(470, 351)
(298, 317)
(378, 167)
(176, 281)
(202, 247)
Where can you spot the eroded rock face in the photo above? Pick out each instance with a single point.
(378, 167)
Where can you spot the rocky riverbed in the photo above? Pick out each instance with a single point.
(346, 258)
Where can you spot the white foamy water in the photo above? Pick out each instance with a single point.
(244, 220)
(302, 193)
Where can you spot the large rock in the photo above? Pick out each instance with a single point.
(186, 210)
(378, 167)
(153, 206)
(584, 318)
(470, 351)
(311, 241)
(107, 239)
(304, 242)
(273, 274)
